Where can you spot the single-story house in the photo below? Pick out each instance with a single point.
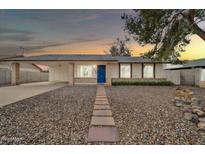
(92, 69)
(192, 73)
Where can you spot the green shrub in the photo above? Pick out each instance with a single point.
(138, 82)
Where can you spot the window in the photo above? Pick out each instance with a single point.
(148, 71)
(86, 71)
(125, 71)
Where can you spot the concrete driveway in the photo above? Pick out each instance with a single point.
(13, 94)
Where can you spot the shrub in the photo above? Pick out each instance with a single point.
(139, 82)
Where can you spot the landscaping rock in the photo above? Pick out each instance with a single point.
(188, 116)
(191, 93)
(179, 93)
(179, 103)
(195, 107)
(195, 119)
(176, 99)
(187, 102)
(203, 108)
(187, 109)
(196, 101)
(202, 119)
(184, 95)
(199, 112)
(178, 88)
(201, 125)
(191, 117)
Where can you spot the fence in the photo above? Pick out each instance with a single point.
(25, 76)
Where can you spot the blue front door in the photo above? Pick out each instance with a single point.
(101, 74)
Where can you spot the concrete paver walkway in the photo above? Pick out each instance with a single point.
(13, 94)
(102, 127)
(102, 113)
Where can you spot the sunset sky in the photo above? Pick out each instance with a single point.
(70, 32)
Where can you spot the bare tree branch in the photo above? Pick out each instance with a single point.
(200, 32)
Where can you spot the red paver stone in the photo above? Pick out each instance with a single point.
(103, 134)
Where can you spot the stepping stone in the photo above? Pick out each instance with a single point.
(102, 113)
(101, 103)
(100, 92)
(101, 96)
(101, 99)
(101, 107)
(103, 134)
(102, 121)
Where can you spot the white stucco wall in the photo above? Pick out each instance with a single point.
(190, 76)
(159, 71)
(173, 76)
(202, 74)
(136, 70)
(64, 72)
(114, 70)
(59, 72)
(202, 78)
(187, 76)
(197, 76)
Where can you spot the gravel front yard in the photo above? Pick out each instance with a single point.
(60, 116)
(143, 114)
(146, 115)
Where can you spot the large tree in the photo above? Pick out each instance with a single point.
(119, 48)
(168, 31)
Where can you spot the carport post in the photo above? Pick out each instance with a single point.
(71, 74)
(15, 73)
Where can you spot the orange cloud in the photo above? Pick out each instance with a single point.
(195, 50)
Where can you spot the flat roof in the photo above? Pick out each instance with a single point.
(122, 59)
(200, 63)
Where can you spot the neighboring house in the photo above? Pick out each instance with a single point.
(92, 69)
(191, 73)
(28, 73)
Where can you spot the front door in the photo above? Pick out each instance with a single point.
(101, 73)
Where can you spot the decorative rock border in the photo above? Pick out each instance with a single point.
(102, 127)
(192, 106)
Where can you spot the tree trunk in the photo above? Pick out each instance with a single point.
(200, 32)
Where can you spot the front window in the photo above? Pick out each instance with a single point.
(148, 71)
(86, 71)
(125, 71)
